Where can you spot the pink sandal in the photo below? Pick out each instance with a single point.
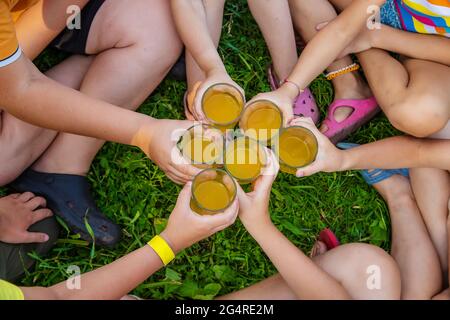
(363, 111)
(305, 104)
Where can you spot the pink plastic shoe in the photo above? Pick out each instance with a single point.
(305, 104)
(363, 111)
(329, 238)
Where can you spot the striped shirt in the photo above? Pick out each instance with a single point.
(425, 16)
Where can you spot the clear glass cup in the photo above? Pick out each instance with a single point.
(262, 121)
(213, 191)
(202, 145)
(222, 105)
(245, 159)
(295, 147)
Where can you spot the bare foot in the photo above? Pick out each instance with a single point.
(348, 86)
(318, 249)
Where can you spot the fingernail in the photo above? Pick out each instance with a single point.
(46, 237)
(300, 174)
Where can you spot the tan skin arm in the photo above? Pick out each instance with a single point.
(30, 96)
(40, 24)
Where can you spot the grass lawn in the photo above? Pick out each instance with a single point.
(131, 190)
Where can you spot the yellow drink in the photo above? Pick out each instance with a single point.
(212, 195)
(222, 105)
(261, 120)
(213, 191)
(244, 159)
(202, 146)
(296, 147)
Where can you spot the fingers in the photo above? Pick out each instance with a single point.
(14, 195)
(40, 214)
(264, 183)
(222, 220)
(240, 193)
(322, 25)
(26, 196)
(33, 237)
(198, 91)
(35, 203)
(308, 170)
(185, 193)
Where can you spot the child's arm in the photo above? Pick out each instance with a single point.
(117, 279)
(191, 21)
(419, 46)
(390, 153)
(320, 52)
(302, 275)
(30, 96)
(193, 29)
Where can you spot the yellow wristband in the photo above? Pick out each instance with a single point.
(162, 249)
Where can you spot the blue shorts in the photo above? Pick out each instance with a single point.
(389, 15)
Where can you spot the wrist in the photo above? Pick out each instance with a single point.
(289, 90)
(347, 160)
(171, 241)
(258, 224)
(147, 127)
(218, 69)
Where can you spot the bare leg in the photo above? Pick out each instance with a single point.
(22, 143)
(274, 20)
(432, 190)
(213, 15)
(412, 247)
(349, 264)
(135, 46)
(307, 15)
(414, 94)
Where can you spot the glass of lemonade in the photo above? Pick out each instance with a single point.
(202, 145)
(261, 120)
(213, 191)
(245, 159)
(296, 147)
(222, 105)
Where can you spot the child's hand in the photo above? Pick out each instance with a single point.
(254, 206)
(186, 227)
(329, 158)
(212, 79)
(284, 98)
(159, 143)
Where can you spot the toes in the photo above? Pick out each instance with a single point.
(323, 128)
(26, 196)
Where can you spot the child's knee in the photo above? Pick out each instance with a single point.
(374, 273)
(419, 116)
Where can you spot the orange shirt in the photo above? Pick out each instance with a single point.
(9, 46)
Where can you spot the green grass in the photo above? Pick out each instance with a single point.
(136, 194)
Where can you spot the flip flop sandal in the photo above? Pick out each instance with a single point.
(363, 111)
(329, 238)
(376, 175)
(69, 197)
(304, 105)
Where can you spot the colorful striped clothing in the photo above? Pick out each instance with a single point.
(425, 16)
